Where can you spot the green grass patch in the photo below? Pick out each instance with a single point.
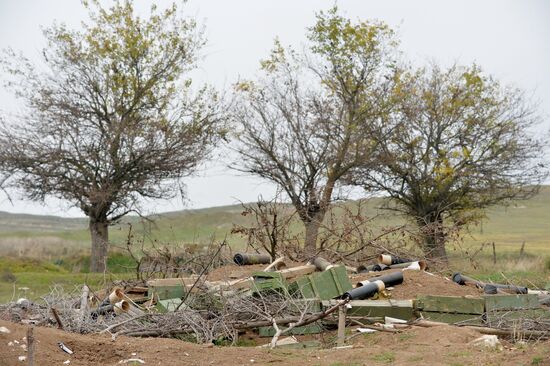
(40, 283)
(16, 265)
(385, 357)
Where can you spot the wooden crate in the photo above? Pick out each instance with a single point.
(324, 285)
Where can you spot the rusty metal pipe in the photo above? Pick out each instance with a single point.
(243, 259)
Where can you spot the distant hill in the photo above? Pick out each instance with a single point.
(508, 227)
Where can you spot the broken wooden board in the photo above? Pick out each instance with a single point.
(400, 309)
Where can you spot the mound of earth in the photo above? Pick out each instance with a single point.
(422, 283)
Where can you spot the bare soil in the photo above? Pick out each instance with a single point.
(444, 345)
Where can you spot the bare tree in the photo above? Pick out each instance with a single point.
(110, 116)
(271, 225)
(305, 122)
(463, 142)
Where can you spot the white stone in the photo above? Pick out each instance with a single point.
(4, 330)
(489, 341)
(131, 360)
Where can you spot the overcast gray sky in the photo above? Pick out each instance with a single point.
(509, 39)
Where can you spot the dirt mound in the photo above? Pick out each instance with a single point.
(422, 283)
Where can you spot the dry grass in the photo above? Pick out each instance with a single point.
(39, 247)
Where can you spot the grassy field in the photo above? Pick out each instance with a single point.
(39, 236)
(60, 243)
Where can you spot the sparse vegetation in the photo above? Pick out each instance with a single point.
(385, 357)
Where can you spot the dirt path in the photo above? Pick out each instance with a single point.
(434, 346)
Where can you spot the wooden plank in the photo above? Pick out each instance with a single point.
(511, 302)
(451, 304)
(241, 283)
(341, 338)
(299, 271)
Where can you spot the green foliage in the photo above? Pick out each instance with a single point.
(112, 117)
(346, 44)
(454, 142)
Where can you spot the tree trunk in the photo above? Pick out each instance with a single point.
(99, 231)
(434, 239)
(312, 230)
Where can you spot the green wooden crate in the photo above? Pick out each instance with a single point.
(166, 291)
(324, 285)
(268, 281)
(451, 304)
(513, 308)
(168, 305)
(400, 309)
(298, 305)
(511, 302)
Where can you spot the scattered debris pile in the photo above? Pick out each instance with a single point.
(277, 298)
